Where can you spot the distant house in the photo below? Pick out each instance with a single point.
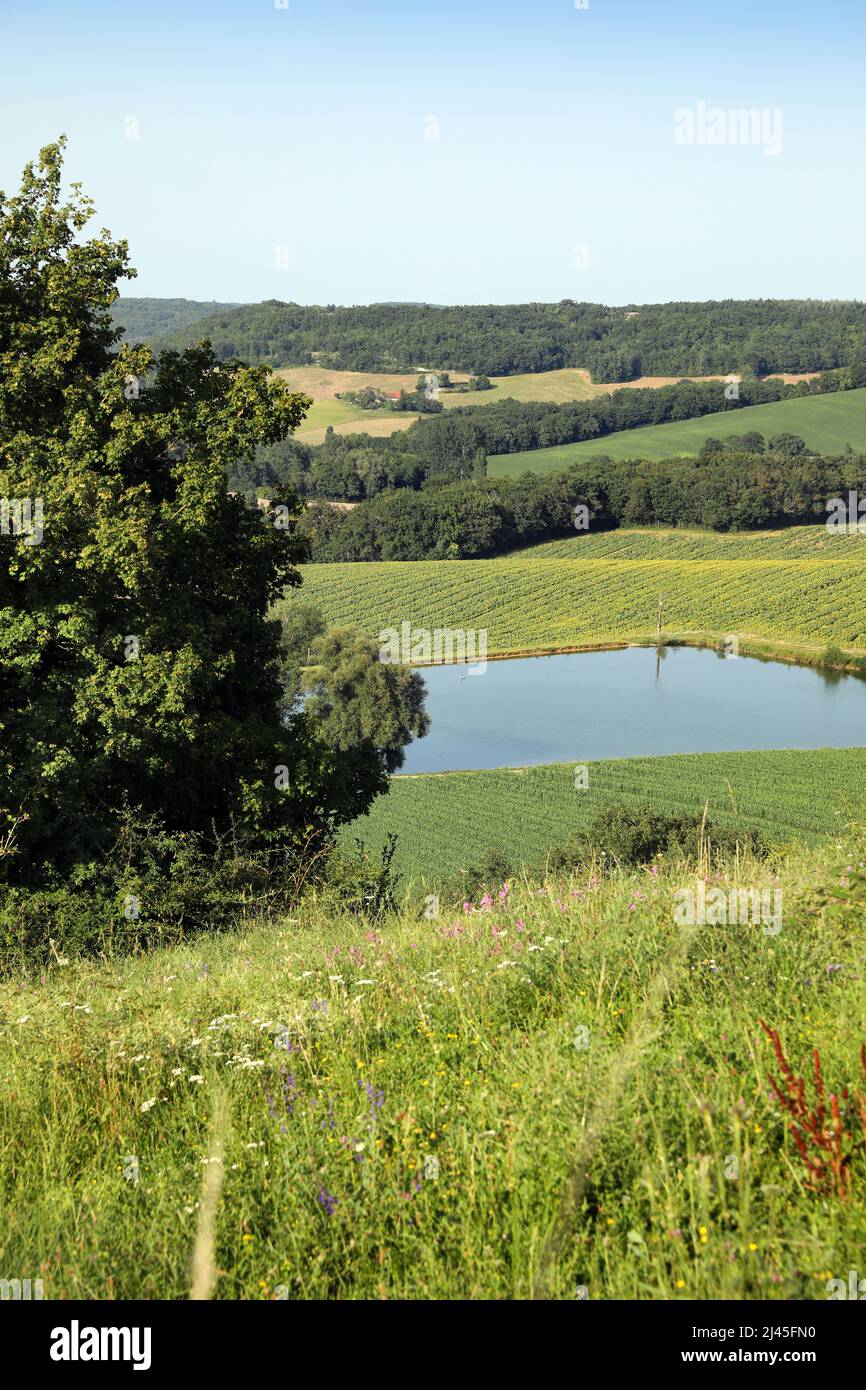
(391, 395)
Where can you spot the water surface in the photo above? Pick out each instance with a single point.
(630, 703)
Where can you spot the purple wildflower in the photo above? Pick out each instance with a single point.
(327, 1200)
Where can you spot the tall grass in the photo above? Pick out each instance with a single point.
(558, 1088)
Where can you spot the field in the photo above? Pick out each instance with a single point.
(792, 605)
(659, 543)
(446, 821)
(562, 1090)
(322, 384)
(827, 423)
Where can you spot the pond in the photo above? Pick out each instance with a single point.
(630, 703)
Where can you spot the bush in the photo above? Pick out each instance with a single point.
(833, 656)
(153, 888)
(486, 876)
(633, 835)
(361, 883)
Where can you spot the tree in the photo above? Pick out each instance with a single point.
(139, 666)
(302, 624)
(361, 702)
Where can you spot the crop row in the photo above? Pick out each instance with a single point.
(445, 822)
(529, 604)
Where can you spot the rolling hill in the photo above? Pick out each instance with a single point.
(826, 422)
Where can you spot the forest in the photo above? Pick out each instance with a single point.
(740, 485)
(613, 344)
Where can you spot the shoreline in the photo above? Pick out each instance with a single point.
(759, 648)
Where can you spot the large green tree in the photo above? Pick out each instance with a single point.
(138, 666)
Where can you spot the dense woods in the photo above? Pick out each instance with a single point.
(614, 344)
(143, 320)
(739, 487)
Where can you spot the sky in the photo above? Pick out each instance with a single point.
(352, 151)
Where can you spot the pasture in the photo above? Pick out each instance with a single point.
(827, 423)
(322, 384)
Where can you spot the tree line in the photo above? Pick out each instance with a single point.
(743, 484)
(612, 343)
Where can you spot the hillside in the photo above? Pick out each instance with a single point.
(144, 320)
(615, 344)
(528, 604)
(559, 387)
(651, 543)
(828, 423)
(405, 1109)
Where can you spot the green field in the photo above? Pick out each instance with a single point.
(445, 821)
(660, 543)
(528, 604)
(330, 1108)
(827, 423)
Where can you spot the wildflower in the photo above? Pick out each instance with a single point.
(148, 1105)
(327, 1200)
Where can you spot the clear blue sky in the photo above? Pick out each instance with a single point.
(305, 128)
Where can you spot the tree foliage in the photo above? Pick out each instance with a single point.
(139, 670)
(613, 343)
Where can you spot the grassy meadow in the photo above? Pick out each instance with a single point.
(590, 592)
(827, 424)
(560, 1088)
(446, 821)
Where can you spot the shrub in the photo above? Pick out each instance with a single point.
(361, 883)
(154, 887)
(633, 835)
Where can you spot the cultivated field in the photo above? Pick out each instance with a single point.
(446, 821)
(827, 423)
(660, 543)
(323, 384)
(561, 1090)
(527, 604)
